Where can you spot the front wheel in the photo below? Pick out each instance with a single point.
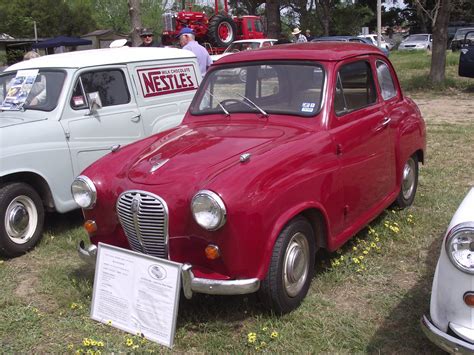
(291, 268)
(409, 183)
(22, 217)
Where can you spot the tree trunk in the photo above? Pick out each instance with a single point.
(135, 20)
(272, 11)
(323, 10)
(440, 40)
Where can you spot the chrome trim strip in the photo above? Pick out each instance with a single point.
(445, 341)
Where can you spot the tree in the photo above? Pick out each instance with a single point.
(135, 20)
(440, 40)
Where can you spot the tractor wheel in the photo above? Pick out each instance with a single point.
(222, 30)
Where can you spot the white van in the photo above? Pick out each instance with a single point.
(59, 113)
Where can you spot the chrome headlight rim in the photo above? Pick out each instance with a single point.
(459, 228)
(219, 202)
(92, 190)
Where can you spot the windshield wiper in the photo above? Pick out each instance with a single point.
(219, 103)
(264, 114)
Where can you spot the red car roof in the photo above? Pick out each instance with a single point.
(321, 51)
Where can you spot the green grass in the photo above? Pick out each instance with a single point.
(370, 306)
(413, 68)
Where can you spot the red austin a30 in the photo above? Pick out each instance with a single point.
(316, 142)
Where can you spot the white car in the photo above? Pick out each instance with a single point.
(243, 45)
(451, 321)
(373, 38)
(422, 41)
(59, 113)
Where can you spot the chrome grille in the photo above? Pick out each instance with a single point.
(144, 219)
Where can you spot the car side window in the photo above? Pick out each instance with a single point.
(355, 87)
(110, 84)
(387, 87)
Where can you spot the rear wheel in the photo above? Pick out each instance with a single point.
(222, 30)
(22, 217)
(409, 183)
(291, 268)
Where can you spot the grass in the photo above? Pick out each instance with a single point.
(370, 305)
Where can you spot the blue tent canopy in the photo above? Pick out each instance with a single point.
(62, 41)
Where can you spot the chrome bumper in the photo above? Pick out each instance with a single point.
(445, 341)
(190, 283)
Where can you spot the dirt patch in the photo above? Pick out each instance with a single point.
(27, 289)
(453, 109)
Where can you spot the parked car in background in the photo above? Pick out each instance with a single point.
(316, 143)
(352, 39)
(244, 45)
(61, 112)
(416, 42)
(450, 324)
(463, 36)
(466, 58)
(373, 39)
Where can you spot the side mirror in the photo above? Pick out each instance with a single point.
(94, 102)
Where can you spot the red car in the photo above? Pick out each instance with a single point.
(314, 144)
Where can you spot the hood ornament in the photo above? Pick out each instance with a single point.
(245, 157)
(157, 163)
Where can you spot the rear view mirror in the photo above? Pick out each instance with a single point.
(94, 102)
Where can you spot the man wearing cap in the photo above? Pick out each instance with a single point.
(187, 41)
(298, 36)
(146, 35)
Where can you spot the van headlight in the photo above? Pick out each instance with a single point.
(208, 210)
(84, 192)
(460, 246)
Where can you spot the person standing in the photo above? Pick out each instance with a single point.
(148, 39)
(187, 41)
(308, 36)
(298, 36)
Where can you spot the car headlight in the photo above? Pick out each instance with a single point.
(84, 192)
(460, 246)
(208, 210)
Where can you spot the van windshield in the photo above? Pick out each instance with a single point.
(31, 89)
(293, 88)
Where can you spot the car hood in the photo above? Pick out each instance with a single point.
(414, 42)
(11, 120)
(199, 152)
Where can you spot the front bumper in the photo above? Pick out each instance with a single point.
(445, 341)
(190, 283)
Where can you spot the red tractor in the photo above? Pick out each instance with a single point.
(219, 30)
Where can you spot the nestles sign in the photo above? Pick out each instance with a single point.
(167, 80)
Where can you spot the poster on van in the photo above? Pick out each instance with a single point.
(167, 80)
(18, 89)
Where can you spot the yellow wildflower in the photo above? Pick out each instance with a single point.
(361, 257)
(265, 329)
(373, 245)
(129, 342)
(354, 248)
(86, 342)
(365, 252)
(135, 347)
(70, 347)
(355, 260)
(274, 335)
(252, 337)
(100, 343)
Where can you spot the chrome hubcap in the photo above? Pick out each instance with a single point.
(21, 219)
(408, 182)
(296, 264)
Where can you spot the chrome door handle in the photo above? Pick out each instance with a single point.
(386, 121)
(136, 118)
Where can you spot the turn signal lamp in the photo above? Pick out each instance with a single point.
(90, 227)
(212, 252)
(469, 299)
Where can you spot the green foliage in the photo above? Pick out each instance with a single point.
(18, 17)
(348, 20)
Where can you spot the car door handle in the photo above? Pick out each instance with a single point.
(385, 121)
(136, 118)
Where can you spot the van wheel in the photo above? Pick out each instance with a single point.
(291, 268)
(22, 214)
(409, 183)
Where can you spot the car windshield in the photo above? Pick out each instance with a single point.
(461, 33)
(263, 88)
(32, 89)
(418, 38)
(241, 46)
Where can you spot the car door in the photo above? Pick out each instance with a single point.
(93, 133)
(363, 143)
